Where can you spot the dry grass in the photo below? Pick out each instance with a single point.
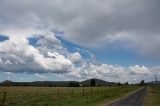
(153, 96)
(48, 96)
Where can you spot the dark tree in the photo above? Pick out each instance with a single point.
(73, 84)
(119, 84)
(93, 83)
(126, 84)
(7, 83)
(142, 83)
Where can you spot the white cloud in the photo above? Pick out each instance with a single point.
(139, 70)
(19, 56)
(75, 57)
(90, 23)
(89, 70)
(49, 41)
(111, 73)
(133, 24)
(58, 63)
(26, 58)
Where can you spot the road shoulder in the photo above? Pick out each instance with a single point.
(152, 96)
(118, 99)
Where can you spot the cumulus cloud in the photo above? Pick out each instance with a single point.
(103, 71)
(17, 55)
(75, 57)
(139, 70)
(111, 73)
(49, 41)
(132, 24)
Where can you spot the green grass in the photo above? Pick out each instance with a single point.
(153, 96)
(48, 96)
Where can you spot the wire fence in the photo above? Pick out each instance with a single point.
(57, 96)
(35, 97)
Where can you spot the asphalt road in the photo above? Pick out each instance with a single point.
(135, 99)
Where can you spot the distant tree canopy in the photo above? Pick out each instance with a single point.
(142, 83)
(93, 83)
(73, 84)
(119, 84)
(126, 84)
(7, 83)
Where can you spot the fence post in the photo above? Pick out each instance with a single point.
(72, 92)
(4, 99)
(91, 90)
(37, 93)
(36, 100)
(58, 93)
(83, 91)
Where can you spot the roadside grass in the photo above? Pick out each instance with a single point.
(153, 96)
(62, 96)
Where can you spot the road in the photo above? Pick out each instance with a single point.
(134, 99)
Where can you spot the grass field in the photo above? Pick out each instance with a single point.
(153, 96)
(62, 96)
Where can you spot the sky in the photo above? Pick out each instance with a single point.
(79, 39)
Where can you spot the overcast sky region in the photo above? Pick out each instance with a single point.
(113, 40)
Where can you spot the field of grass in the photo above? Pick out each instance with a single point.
(153, 96)
(61, 96)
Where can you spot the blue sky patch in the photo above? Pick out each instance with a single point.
(71, 47)
(33, 41)
(3, 38)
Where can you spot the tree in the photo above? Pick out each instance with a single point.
(119, 84)
(126, 84)
(93, 83)
(7, 83)
(142, 83)
(73, 84)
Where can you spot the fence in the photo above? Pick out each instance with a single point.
(10, 99)
(58, 96)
